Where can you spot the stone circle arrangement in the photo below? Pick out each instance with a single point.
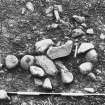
(46, 63)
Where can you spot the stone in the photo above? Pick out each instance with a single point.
(27, 61)
(47, 65)
(84, 25)
(4, 95)
(84, 47)
(60, 51)
(90, 31)
(43, 45)
(49, 10)
(92, 55)
(66, 75)
(37, 71)
(79, 19)
(47, 84)
(11, 61)
(86, 67)
(90, 90)
(38, 82)
(102, 36)
(30, 6)
(77, 32)
(92, 76)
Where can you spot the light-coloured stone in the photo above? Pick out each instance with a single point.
(77, 32)
(84, 47)
(47, 64)
(27, 61)
(92, 55)
(47, 84)
(59, 8)
(38, 82)
(79, 19)
(90, 90)
(11, 61)
(92, 76)
(3, 95)
(37, 71)
(66, 75)
(43, 45)
(90, 31)
(84, 25)
(30, 6)
(60, 51)
(86, 67)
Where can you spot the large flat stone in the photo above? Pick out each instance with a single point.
(60, 51)
(47, 64)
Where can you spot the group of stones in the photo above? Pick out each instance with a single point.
(45, 64)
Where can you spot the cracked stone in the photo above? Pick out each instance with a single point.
(60, 51)
(47, 64)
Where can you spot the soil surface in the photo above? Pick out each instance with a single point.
(56, 100)
(19, 33)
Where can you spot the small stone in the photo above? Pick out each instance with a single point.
(90, 90)
(47, 65)
(11, 61)
(43, 45)
(37, 71)
(3, 95)
(52, 26)
(92, 55)
(30, 6)
(67, 77)
(92, 76)
(60, 51)
(47, 84)
(102, 36)
(79, 19)
(86, 67)
(84, 25)
(77, 32)
(90, 31)
(27, 61)
(38, 82)
(84, 47)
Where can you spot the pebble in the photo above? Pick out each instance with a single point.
(49, 10)
(79, 19)
(47, 84)
(84, 25)
(92, 55)
(37, 71)
(92, 76)
(86, 67)
(90, 90)
(43, 45)
(84, 47)
(102, 36)
(30, 6)
(27, 61)
(90, 31)
(47, 65)
(67, 77)
(60, 51)
(3, 95)
(38, 82)
(77, 32)
(11, 61)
